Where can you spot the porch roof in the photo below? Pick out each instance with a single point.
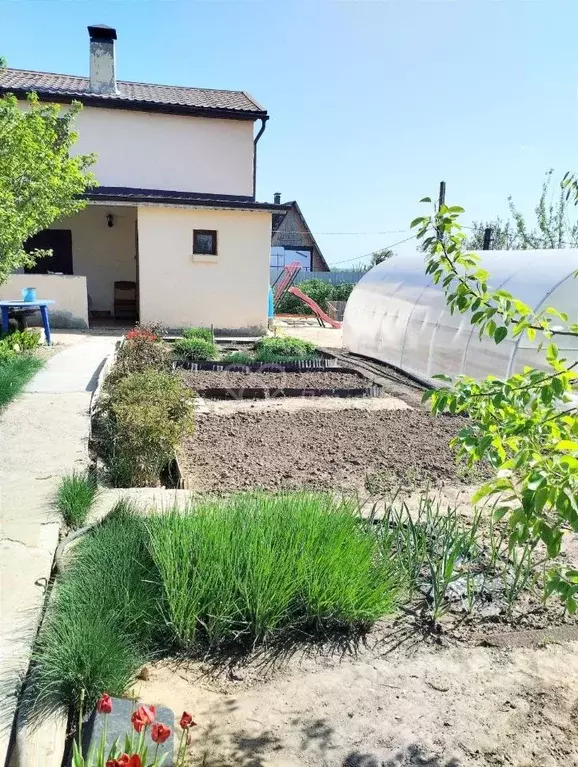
(172, 197)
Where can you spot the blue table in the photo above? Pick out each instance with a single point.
(5, 306)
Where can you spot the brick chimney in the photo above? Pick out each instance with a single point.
(102, 59)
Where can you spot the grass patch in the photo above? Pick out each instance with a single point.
(15, 372)
(99, 625)
(237, 358)
(205, 333)
(252, 565)
(285, 348)
(195, 349)
(225, 572)
(75, 496)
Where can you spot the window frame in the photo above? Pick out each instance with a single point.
(214, 250)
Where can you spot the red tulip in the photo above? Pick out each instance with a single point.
(142, 717)
(112, 763)
(127, 761)
(104, 705)
(160, 732)
(187, 721)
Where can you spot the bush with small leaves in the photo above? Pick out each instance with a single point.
(142, 350)
(139, 424)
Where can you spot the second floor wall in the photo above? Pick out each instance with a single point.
(149, 150)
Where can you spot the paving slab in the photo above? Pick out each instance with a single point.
(43, 433)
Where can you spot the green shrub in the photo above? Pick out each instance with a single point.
(253, 565)
(195, 349)
(239, 358)
(205, 333)
(76, 494)
(342, 291)
(281, 348)
(142, 350)
(6, 351)
(15, 372)
(139, 424)
(20, 340)
(99, 626)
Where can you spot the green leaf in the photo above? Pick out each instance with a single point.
(500, 334)
(500, 513)
(416, 222)
(567, 444)
(483, 491)
(425, 199)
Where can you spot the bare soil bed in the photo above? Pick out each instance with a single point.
(305, 381)
(378, 705)
(321, 449)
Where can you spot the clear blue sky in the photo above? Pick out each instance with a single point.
(371, 103)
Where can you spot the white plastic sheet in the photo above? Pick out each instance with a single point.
(395, 314)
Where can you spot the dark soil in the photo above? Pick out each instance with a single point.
(323, 450)
(305, 381)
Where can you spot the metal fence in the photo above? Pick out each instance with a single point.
(349, 276)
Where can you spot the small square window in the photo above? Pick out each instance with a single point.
(205, 242)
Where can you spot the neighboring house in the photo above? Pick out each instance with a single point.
(292, 239)
(173, 234)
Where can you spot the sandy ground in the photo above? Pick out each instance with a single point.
(432, 707)
(293, 404)
(324, 337)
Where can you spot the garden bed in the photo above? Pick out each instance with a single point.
(262, 384)
(321, 449)
(294, 366)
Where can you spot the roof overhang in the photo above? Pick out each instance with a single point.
(104, 195)
(133, 105)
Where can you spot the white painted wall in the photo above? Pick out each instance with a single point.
(157, 151)
(101, 253)
(229, 291)
(69, 293)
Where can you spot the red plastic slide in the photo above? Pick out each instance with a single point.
(315, 308)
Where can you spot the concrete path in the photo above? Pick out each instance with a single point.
(43, 434)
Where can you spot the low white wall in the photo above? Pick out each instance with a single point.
(70, 309)
(228, 291)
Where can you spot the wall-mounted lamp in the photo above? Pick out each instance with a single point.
(110, 220)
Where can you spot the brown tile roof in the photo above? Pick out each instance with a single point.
(140, 96)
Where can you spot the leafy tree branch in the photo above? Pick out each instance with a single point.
(40, 182)
(524, 427)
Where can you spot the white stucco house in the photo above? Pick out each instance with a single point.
(173, 233)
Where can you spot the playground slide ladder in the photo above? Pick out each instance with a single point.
(284, 281)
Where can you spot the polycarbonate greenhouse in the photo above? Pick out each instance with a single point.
(395, 314)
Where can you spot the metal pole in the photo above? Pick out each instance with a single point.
(487, 238)
(442, 197)
(441, 201)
